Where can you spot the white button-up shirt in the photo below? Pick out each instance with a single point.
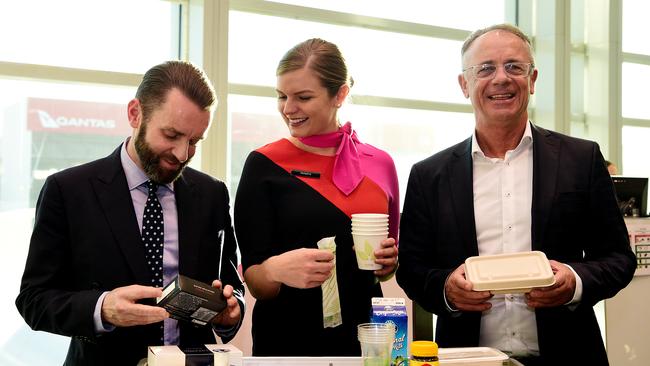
(503, 193)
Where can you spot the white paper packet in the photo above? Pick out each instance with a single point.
(331, 303)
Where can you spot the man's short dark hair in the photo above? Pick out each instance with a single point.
(190, 80)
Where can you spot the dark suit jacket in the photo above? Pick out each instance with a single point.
(575, 220)
(86, 241)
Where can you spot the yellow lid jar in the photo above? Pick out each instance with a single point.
(424, 353)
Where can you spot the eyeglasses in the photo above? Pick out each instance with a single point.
(515, 69)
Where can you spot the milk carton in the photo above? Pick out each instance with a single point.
(393, 310)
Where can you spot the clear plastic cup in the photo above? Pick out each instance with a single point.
(376, 341)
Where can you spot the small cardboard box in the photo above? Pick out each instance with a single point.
(393, 310)
(192, 301)
(209, 354)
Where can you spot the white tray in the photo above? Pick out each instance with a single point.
(510, 272)
(472, 356)
(302, 361)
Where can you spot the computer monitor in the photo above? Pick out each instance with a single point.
(632, 195)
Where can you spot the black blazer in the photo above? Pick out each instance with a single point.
(86, 241)
(575, 220)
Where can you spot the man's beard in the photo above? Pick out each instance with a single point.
(151, 162)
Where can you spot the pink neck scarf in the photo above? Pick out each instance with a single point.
(347, 170)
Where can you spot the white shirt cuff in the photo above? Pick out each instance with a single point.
(100, 326)
(577, 295)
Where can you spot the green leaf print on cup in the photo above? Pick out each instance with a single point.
(365, 246)
(368, 251)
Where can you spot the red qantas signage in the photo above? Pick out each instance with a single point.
(68, 116)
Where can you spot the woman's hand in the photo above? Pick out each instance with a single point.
(387, 257)
(301, 268)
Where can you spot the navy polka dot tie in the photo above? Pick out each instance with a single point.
(153, 235)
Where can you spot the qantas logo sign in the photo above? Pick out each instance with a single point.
(62, 121)
(78, 117)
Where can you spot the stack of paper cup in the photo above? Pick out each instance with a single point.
(368, 231)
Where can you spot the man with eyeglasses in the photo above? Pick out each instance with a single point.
(513, 187)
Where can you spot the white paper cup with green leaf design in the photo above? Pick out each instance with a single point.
(365, 244)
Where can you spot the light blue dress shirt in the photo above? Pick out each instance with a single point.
(136, 179)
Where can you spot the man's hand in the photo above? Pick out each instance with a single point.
(229, 316)
(558, 294)
(119, 307)
(460, 295)
(387, 257)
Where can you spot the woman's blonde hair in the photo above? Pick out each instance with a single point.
(320, 56)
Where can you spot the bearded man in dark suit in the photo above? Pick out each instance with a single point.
(88, 274)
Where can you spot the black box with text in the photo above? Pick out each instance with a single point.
(192, 301)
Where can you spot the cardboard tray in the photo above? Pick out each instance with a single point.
(510, 272)
(302, 361)
(472, 356)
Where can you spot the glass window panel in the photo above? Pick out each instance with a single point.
(634, 83)
(381, 63)
(635, 151)
(407, 135)
(577, 21)
(578, 70)
(254, 122)
(635, 27)
(115, 35)
(44, 128)
(439, 13)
